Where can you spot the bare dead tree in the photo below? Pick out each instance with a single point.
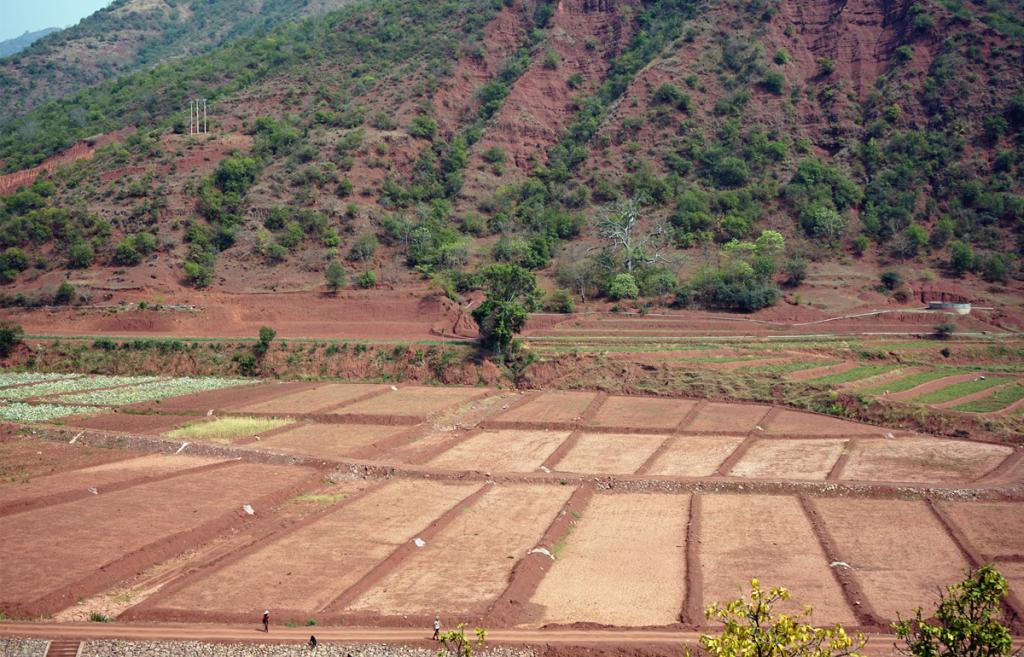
(619, 225)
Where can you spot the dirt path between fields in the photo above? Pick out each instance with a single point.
(878, 644)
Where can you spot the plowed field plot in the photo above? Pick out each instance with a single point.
(796, 423)
(768, 537)
(223, 398)
(551, 407)
(694, 456)
(414, 400)
(897, 549)
(600, 574)
(93, 542)
(129, 422)
(502, 451)
(305, 570)
(22, 459)
(922, 460)
(995, 529)
(727, 418)
(467, 565)
(319, 399)
(779, 458)
(607, 453)
(97, 477)
(642, 412)
(1013, 571)
(331, 441)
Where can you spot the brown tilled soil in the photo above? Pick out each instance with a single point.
(727, 418)
(481, 501)
(898, 550)
(551, 407)
(770, 538)
(22, 459)
(789, 459)
(331, 441)
(319, 399)
(922, 460)
(694, 456)
(642, 412)
(501, 451)
(107, 537)
(609, 453)
(796, 423)
(994, 529)
(623, 564)
(95, 480)
(305, 569)
(486, 540)
(129, 422)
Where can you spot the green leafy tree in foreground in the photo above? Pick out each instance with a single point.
(753, 629)
(454, 643)
(511, 295)
(968, 621)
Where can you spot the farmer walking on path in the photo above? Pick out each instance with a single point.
(266, 621)
(437, 628)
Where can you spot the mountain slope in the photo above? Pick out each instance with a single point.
(17, 44)
(130, 35)
(418, 138)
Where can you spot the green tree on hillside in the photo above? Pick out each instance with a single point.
(512, 294)
(335, 276)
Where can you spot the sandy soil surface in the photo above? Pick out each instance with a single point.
(642, 412)
(779, 458)
(502, 451)
(993, 528)
(317, 399)
(727, 418)
(768, 537)
(897, 549)
(624, 564)
(609, 453)
(415, 400)
(100, 476)
(551, 407)
(331, 441)
(922, 460)
(694, 456)
(306, 569)
(97, 532)
(485, 541)
(795, 422)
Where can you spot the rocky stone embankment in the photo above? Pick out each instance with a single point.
(326, 649)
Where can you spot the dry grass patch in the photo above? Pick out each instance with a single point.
(226, 429)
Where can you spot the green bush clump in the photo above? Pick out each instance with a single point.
(11, 335)
(623, 286)
(64, 295)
